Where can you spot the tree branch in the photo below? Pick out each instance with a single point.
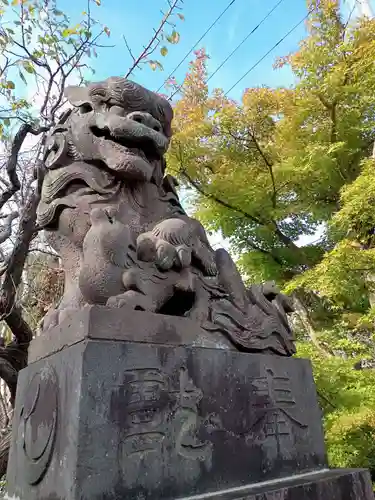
(13, 357)
(219, 200)
(270, 224)
(331, 107)
(6, 229)
(304, 316)
(9, 374)
(128, 48)
(269, 165)
(146, 51)
(11, 166)
(274, 257)
(16, 261)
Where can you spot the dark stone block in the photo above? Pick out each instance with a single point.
(325, 485)
(104, 323)
(135, 418)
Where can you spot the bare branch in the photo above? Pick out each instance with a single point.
(13, 357)
(151, 46)
(6, 229)
(17, 258)
(11, 166)
(269, 165)
(128, 48)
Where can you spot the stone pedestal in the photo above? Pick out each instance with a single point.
(117, 405)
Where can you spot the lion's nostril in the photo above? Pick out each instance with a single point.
(145, 119)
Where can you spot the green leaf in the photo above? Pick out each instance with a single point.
(6, 122)
(98, 2)
(22, 76)
(107, 31)
(37, 54)
(174, 37)
(58, 12)
(155, 65)
(181, 16)
(164, 51)
(28, 67)
(10, 85)
(70, 31)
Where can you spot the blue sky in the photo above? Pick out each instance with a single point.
(136, 21)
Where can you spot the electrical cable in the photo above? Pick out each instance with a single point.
(244, 40)
(234, 50)
(200, 39)
(268, 52)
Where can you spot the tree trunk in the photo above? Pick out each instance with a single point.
(5, 437)
(305, 319)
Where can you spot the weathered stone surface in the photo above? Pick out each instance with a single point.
(326, 485)
(105, 323)
(152, 421)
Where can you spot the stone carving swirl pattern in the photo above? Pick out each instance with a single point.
(38, 424)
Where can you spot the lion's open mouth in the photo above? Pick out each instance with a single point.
(147, 150)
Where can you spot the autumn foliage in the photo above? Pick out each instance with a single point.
(287, 177)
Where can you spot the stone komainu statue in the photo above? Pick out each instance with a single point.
(115, 219)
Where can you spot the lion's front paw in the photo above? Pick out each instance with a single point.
(165, 254)
(132, 300)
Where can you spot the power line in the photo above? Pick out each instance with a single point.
(268, 52)
(233, 51)
(201, 38)
(350, 15)
(244, 40)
